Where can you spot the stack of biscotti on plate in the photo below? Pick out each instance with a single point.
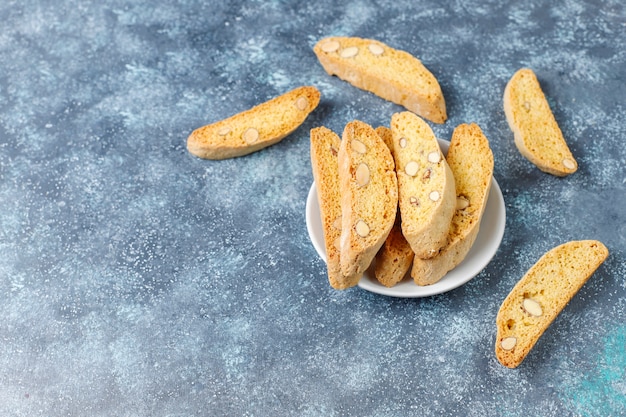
(357, 196)
(390, 197)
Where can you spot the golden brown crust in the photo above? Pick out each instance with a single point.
(389, 73)
(536, 132)
(471, 161)
(256, 128)
(369, 196)
(541, 294)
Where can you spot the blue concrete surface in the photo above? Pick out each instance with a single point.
(138, 280)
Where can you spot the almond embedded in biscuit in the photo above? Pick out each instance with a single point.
(508, 343)
(349, 52)
(223, 131)
(362, 174)
(302, 103)
(358, 146)
(411, 168)
(330, 46)
(251, 135)
(362, 229)
(375, 49)
(532, 307)
(434, 157)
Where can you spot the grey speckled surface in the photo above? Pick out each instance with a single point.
(137, 280)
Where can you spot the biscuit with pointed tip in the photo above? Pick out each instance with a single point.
(369, 196)
(254, 129)
(391, 74)
(541, 294)
(426, 189)
(471, 161)
(324, 150)
(536, 133)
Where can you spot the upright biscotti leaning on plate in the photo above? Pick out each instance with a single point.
(392, 74)
(395, 257)
(358, 198)
(471, 161)
(426, 188)
(324, 150)
(536, 132)
(369, 195)
(540, 295)
(254, 129)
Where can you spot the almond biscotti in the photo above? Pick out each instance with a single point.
(369, 196)
(536, 132)
(426, 189)
(256, 128)
(471, 161)
(537, 299)
(395, 257)
(324, 150)
(389, 73)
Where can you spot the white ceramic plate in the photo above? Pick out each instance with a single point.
(483, 250)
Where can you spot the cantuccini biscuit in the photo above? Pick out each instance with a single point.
(471, 161)
(395, 257)
(540, 295)
(256, 128)
(536, 132)
(426, 189)
(369, 196)
(389, 73)
(324, 150)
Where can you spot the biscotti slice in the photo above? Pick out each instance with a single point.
(426, 189)
(471, 161)
(395, 257)
(256, 128)
(536, 132)
(324, 150)
(369, 196)
(537, 299)
(389, 73)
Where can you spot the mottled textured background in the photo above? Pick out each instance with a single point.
(138, 280)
